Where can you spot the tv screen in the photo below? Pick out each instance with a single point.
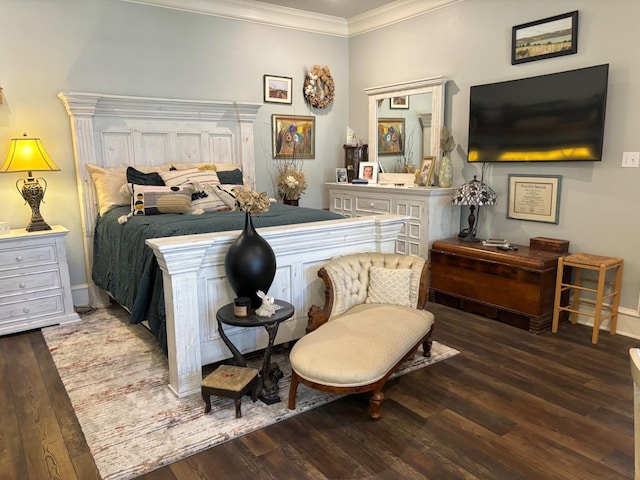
(556, 117)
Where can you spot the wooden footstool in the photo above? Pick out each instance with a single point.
(230, 382)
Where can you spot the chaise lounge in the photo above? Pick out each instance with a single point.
(373, 320)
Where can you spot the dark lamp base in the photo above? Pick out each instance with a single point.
(37, 226)
(470, 239)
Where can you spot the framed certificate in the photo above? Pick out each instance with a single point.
(534, 197)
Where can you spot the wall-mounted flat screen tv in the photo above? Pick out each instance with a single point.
(555, 117)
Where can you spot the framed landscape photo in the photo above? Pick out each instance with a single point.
(399, 103)
(546, 38)
(390, 136)
(534, 197)
(293, 136)
(368, 171)
(278, 89)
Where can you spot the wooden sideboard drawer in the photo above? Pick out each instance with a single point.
(375, 205)
(29, 282)
(26, 256)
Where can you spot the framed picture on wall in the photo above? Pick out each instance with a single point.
(293, 136)
(278, 89)
(546, 38)
(390, 136)
(534, 197)
(399, 103)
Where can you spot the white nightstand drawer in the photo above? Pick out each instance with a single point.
(29, 282)
(27, 256)
(25, 307)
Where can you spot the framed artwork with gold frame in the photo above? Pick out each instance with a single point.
(293, 136)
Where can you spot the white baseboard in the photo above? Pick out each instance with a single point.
(628, 323)
(80, 295)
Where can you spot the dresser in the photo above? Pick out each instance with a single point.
(35, 290)
(431, 215)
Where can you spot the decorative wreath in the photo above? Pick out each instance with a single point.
(319, 87)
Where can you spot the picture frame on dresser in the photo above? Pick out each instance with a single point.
(426, 171)
(341, 175)
(368, 171)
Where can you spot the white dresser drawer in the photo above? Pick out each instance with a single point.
(20, 308)
(373, 205)
(27, 256)
(29, 282)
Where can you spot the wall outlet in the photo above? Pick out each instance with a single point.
(630, 159)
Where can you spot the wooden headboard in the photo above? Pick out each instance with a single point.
(117, 131)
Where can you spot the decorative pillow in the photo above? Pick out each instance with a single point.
(154, 200)
(204, 183)
(228, 194)
(108, 182)
(230, 177)
(389, 286)
(140, 178)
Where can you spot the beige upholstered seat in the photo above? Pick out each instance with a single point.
(372, 321)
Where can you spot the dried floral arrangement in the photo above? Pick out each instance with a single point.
(292, 182)
(447, 143)
(248, 200)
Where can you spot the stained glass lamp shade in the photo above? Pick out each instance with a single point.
(473, 193)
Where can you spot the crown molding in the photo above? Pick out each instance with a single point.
(284, 17)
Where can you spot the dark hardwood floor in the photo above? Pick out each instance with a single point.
(511, 406)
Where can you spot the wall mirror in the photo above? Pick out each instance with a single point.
(421, 104)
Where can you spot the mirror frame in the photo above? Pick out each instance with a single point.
(433, 85)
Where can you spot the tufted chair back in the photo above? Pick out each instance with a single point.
(349, 275)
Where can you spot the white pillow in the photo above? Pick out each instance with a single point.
(228, 194)
(389, 286)
(154, 200)
(108, 182)
(204, 183)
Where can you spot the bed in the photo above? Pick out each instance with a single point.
(112, 132)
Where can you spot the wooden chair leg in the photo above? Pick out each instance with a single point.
(293, 388)
(426, 348)
(576, 295)
(616, 301)
(602, 274)
(374, 404)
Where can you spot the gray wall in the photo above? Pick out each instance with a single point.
(470, 43)
(110, 46)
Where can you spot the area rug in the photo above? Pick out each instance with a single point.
(116, 377)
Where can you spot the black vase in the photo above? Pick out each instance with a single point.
(250, 264)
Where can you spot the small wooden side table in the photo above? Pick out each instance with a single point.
(270, 374)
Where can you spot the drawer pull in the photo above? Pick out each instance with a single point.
(21, 285)
(26, 310)
(19, 258)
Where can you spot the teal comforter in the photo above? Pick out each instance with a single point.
(126, 267)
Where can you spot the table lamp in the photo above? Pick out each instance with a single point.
(28, 155)
(473, 193)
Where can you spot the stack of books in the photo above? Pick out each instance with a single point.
(495, 242)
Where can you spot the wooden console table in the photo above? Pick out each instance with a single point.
(515, 287)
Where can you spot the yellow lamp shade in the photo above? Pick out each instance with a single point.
(27, 155)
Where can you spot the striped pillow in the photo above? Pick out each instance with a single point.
(204, 184)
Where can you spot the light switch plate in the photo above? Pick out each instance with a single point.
(630, 159)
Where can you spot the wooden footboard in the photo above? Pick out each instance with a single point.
(195, 285)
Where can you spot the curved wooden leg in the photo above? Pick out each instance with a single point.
(426, 347)
(293, 388)
(374, 404)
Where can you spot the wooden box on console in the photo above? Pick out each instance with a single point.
(549, 244)
(515, 287)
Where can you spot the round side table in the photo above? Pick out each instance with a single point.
(270, 374)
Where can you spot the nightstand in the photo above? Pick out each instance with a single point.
(35, 290)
